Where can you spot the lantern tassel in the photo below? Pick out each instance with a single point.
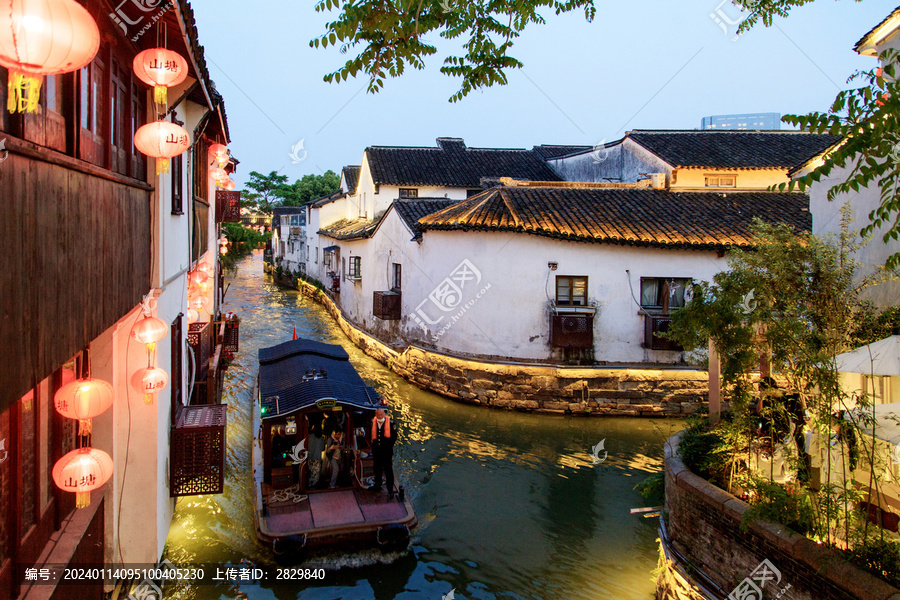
(85, 428)
(24, 93)
(162, 166)
(82, 499)
(161, 94)
(148, 398)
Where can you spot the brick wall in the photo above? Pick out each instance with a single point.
(703, 525)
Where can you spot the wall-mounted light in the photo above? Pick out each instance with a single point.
(553, 265)
(290, 427)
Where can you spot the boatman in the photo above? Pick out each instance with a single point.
(384, 434)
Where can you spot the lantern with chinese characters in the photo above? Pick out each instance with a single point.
(149, 381)
(162, 69)
(82, 471)
(84, 399)
(162, 140)
(220, 153)
(149, 330)
(40, 37)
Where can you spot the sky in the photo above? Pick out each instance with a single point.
(641, 64)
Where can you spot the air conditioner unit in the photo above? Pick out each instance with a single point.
(655, 325)
(572, 331)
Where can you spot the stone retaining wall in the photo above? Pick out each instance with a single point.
(539, 389)
(703, 543)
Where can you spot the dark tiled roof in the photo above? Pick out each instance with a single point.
(351, 176)
(733, 149)
(639, 217)
(452, 164)
(337, 195)
(550, 151)
(865, 39)
(352, 229)
(413, 210)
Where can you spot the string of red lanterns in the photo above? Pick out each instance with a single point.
(162, 68)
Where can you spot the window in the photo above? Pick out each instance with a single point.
(201, 229)
(326, 258)
(726, 181)
(317, 255)
(176, 164)
(571, 291)
(663, 293)
(343, 269)
(176, 367)
(362, 205)
(409, 193)
(397, 277)
(355, 268)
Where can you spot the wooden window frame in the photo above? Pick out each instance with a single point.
(571, 281)
(397, 283)
(659, 307)
(718, 177)
(409, 192)
(354, 268)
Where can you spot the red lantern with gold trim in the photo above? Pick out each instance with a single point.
(161, 68)
(40, 38)
(149, 381)
(162, 140)
(82, 471)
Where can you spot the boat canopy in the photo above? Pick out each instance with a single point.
(302, 373)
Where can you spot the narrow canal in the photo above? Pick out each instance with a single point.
(510, 505)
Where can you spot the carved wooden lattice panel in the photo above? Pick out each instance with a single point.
(198, 451)
(228, 207)
(232, 335)
(386, 306)
(572, 331)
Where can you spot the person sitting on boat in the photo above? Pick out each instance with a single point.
(334, 452)
(383, 437)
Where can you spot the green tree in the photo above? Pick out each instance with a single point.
(310, 187)
(390, 35)
(267, 189)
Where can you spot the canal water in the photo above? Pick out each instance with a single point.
(510, 505)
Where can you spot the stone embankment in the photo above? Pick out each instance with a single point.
(532, 388)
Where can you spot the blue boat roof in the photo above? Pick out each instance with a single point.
(281, 378)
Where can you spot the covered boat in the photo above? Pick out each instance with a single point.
(305, 391)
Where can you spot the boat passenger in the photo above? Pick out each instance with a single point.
(384, 434)
(334, 452)
(316, 448)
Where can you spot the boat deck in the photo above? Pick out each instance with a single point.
(331, 508)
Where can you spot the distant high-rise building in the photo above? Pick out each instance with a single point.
(748, 121)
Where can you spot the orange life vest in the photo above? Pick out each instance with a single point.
(387, 427)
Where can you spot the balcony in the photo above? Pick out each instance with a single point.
(654, 325)
(197, 451)
(386, 306)
(572, 331)
(200, 338)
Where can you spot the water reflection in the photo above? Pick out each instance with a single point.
(510, 505)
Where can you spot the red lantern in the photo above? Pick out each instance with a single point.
(223, 250)
(192, 316)
(220, 152)
(149, 381)
(229, 184)
(84, 399)
(199, 277)
(162, 140)
(162, 69)
(149, 330)
(218, 174)
(43, 38)
(199, 303)
(206, 268)
(82, 471)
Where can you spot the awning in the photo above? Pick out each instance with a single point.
(887, 421)
(331, 248)
(878, 358)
